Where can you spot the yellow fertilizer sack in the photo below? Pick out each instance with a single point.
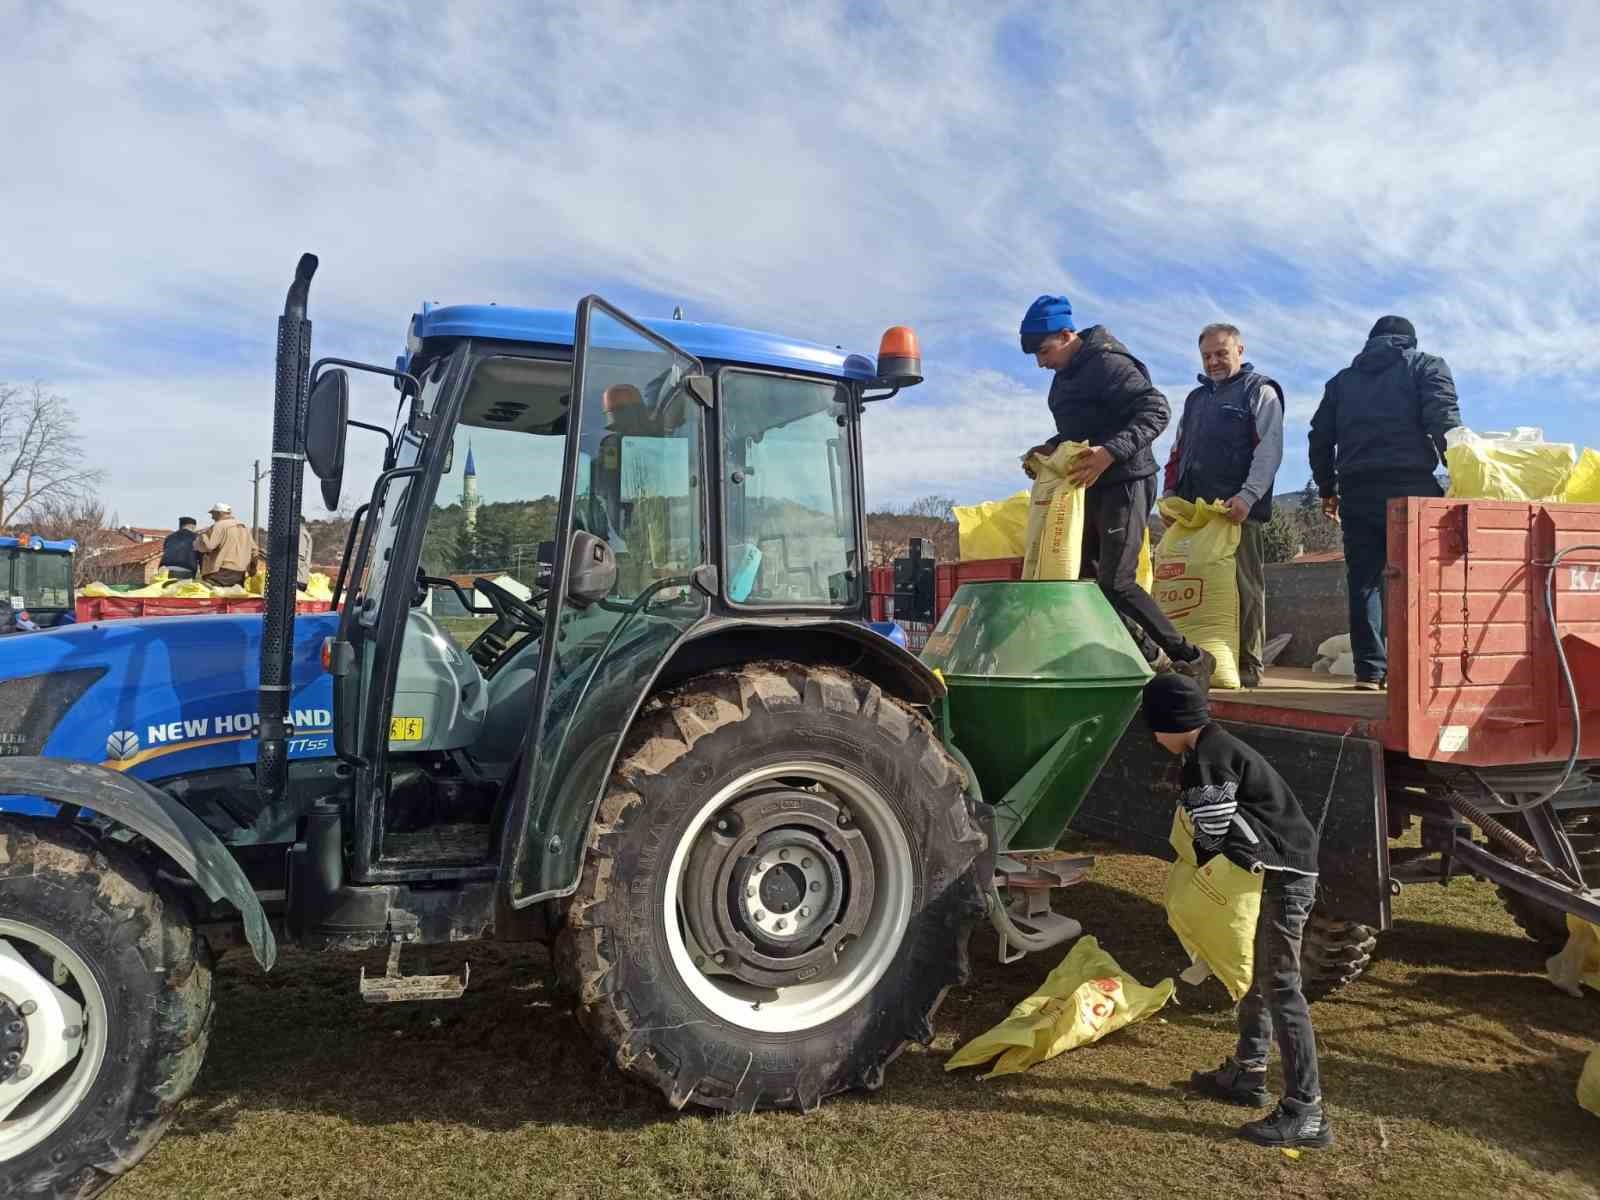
(1589, 1084)
(993, 529)
(1197, 580)
(95, 589)
(1519, 465)
(1578, 964)
(1213, 907)
(1583, 487)
(1147, 569)
(1081, 1001)
(1055, 518)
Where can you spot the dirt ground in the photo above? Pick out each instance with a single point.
(1450, 1071)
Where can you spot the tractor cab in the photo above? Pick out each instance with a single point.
(38, 578)
(598, 505)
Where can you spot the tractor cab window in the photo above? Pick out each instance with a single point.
(789, 485)
(42, 579)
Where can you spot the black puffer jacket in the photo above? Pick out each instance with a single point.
(1104, 397)
(1384, 417)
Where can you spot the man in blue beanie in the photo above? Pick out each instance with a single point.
(1102, 395)
(1379, 434)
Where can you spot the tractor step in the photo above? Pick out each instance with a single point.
(393, 987)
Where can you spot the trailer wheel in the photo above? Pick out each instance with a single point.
(1546, 925)
(1333, 953)
(105, 1010)
(778, 892)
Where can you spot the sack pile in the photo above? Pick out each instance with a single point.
(1520, 465)
(318, 587)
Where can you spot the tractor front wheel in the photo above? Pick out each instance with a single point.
(105, 1010)
(779, 890)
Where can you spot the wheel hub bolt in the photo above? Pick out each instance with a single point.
(751, 892)
(816, 885)
(14, 1027)
(805, 864)
(722, 825)
(760, 916)
(23, 1073)
(27, 1008)
(782, 924)
(72, 1032)
(805, 912)
(844, 816)
(784, 855)
(13, 1058)
(721, 956)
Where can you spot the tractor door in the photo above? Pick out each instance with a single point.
(635, 477)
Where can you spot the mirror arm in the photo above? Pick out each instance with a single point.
(403, 376)
(388, 441)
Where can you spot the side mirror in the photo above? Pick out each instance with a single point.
(327, 417)
(591, 570)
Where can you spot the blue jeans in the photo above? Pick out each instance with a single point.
(1275, 1003)
(1364, 517)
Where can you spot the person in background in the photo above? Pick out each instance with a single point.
(1241, 808)
(26, 622)
(1229, 448)
(1101, 394)
(302, 575)
(1379, 434)
(225, 548)
(178, 554)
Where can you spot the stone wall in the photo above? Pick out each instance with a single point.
(1307, 600)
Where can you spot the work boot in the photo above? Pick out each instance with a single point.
(1233, 1083)
(1287, 1130)
(1199, 668)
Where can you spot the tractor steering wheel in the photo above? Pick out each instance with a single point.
(519, 612)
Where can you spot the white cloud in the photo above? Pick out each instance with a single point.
(821, 169)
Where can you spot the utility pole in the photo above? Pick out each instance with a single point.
(255, 504)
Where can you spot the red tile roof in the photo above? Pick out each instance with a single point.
(136, 552)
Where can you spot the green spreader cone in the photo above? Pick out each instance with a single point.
(1043, 680)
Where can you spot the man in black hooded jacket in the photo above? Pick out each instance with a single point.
(1101, 395)
(1378, 434)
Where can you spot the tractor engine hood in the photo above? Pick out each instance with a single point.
(157, 697)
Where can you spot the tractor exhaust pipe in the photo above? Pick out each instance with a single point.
(290, 396)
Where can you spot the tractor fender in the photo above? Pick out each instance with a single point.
(152, 814)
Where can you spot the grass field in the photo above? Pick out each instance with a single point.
(1450, 1071)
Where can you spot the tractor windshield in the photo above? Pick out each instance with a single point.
(42, 579)
(790, 487)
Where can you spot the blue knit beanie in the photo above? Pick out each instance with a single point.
(1046, 315)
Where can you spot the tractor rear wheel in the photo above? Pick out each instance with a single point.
(105, 1010)
(778, 892)
(1333, 953)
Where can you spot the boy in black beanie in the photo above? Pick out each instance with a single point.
(1241, 808)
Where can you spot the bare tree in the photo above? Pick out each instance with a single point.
(41, 458)
(83, 519)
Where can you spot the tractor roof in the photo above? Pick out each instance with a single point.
(721, 343)
(29, 542)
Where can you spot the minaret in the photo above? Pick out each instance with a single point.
(469, 491)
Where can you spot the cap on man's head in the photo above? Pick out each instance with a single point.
(1393, 327)
(221, 509)
(1174, 703)
(1046, 315)
(182, 521)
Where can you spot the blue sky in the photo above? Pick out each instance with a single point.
(822, 169)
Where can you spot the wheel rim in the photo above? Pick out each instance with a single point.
(63, 1011)
(733, 879)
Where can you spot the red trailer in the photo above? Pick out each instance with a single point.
(1486, 745)
(117, 608)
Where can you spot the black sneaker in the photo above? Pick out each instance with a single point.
(1286, 1130)
(1234, 1084)
(1199, 669)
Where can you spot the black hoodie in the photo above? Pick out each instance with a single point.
(1243, 809)
(1104, 397)
(1383, 418)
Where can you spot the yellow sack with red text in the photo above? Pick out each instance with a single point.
(993, 529)
(1055, 518)
(1197, 580)
(1147, 569)
(1082, 1000)
(1213, 907)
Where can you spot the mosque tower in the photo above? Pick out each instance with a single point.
(469, 491)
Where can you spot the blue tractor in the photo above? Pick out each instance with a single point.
(670, 746)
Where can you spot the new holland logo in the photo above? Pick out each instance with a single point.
(122, 744)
